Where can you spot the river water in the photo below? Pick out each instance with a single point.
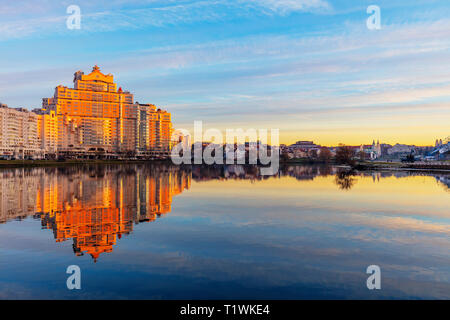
(226, 232)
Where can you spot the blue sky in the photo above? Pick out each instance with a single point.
(308, 67)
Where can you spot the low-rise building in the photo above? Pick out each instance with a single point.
(401, 149)
(302, 149)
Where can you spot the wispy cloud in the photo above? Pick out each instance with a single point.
(26, 17)
(287, 6)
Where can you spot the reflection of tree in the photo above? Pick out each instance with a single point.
(345, 180)
(326, 170)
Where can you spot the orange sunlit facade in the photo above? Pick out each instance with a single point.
(96, 114)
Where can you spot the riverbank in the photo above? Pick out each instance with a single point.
(55, 163)
(360, 166)
(419, 166)
(377, 165)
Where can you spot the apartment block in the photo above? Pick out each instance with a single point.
(18, 132)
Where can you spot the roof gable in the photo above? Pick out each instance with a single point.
(97, 75)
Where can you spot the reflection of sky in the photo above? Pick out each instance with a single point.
(280, 238)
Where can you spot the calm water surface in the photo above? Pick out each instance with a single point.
(163, 232)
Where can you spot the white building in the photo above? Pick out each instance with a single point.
(401, 149)
(18, 133)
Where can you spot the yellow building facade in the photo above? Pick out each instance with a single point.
(47, 130)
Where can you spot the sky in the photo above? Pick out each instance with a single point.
(310, 68)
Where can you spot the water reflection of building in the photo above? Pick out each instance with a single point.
(18, 192)
(308, 172)
(225, 172)
(94, 207)
(253, 172)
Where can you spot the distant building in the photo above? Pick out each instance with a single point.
(302, 149)
(371, 152)
(183, 137)
(441, 150)
(306, 145)
(384, 149)
(401, 149)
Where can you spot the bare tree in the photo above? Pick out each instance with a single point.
(325, 154)
(345, 155)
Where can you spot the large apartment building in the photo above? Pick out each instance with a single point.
(154, 129)
(95, 114)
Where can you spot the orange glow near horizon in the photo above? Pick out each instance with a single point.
(420, 137)
(418, 125)
(355, 139)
